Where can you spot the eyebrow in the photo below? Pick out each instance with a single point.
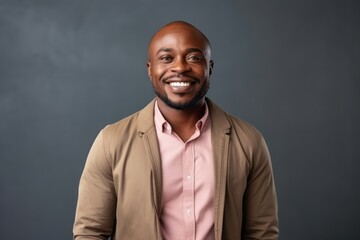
(188, 50)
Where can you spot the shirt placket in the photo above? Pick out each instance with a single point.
(188, 190)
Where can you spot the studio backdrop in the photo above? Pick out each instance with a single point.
(291, 68)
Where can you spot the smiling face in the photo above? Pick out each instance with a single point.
(179, 65)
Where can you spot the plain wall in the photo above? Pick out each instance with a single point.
(291, 68)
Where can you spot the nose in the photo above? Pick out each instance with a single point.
(180, 65)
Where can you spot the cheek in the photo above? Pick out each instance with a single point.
(203, 74)
(158, 72)
(202, 70)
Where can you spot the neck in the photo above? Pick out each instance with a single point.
(182, 121)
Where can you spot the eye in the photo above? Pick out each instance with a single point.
(194, 58)
(166, 58)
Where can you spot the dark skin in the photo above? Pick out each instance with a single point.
(179, 68)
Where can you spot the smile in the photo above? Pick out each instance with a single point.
(180, 84)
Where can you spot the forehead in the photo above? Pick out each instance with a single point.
(178, 37)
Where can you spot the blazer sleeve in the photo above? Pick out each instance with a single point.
(96, 206)
(260, 201)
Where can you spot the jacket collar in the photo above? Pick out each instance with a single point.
(219, 119)
(146, 118)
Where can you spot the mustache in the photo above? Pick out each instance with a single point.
(182, 75)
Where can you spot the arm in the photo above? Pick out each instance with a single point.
(95, 212)
(260, 203)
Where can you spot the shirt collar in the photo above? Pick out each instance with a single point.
(161, 123)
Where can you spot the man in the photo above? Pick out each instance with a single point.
(181, 168)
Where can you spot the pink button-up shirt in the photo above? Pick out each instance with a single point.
(188, 181)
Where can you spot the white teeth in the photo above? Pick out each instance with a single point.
(179, 84)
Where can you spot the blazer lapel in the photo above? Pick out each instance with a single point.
(220, 135)
(147, 132)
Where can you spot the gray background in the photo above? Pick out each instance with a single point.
(291, 68)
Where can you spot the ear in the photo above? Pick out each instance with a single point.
(211, 66)
(148, 65)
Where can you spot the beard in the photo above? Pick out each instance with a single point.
(185, 105)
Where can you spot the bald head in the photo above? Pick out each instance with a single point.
(180, 28)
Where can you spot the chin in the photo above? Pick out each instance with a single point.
(181, 105)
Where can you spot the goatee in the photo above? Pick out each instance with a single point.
(182, 106)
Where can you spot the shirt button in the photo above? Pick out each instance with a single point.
(188, 211)
(188, 177)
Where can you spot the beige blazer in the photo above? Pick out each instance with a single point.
(121, 185)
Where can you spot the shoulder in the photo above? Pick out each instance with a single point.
(236, 125)
(130, 126)
(244, 128)
(121, 125)
(247, 137)
(244, 137)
